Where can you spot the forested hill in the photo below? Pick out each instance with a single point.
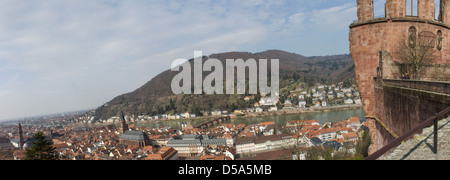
(156, 96)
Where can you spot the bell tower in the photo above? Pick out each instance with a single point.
(21, 141)
(123, 123)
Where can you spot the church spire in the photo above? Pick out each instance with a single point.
(21, 142)
(124, 126)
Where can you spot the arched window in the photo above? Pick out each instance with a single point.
(412, 36)
(439, 40)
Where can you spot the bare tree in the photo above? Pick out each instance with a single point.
(416, 51)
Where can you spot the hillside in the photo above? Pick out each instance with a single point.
(156, 97)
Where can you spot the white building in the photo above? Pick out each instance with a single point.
(268, 101)
(358, 101)
(245, 145)
(186, 115)
(216, 113)
(348, 101)
(192, 144)
(263, 143)
(302, 104)
(301, 97)
(274, 108)
(258, 110)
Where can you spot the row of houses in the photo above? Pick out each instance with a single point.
(343, 132)
(307, 133)
(263, 143)
(193, 144)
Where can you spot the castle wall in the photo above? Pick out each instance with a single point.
(445, 11)
(379, 135)
(365, 10)
(395, 8)
(396, 107)
(403, 105)
(426, 9)
(366, 40)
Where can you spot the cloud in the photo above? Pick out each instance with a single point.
(79, 54)
(76, 54)
(297, 18)
(334, 18)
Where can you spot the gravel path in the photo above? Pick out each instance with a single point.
(420, 147)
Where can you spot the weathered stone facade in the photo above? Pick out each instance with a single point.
(372, 39)
(445, 7)
(369, 36)
(395, 8)
(365, 10)
(426, 9)
(402, 104)
(404, 108)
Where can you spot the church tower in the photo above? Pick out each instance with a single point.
(21, 141)
(123, 123)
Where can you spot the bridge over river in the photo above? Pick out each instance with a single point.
(213, 122)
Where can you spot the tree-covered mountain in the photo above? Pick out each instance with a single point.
(156, 96)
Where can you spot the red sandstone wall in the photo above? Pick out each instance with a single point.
(402, 109)
(365, 10)
(395, 8)
(426, 9)
(367, 40)
(399, 112)
(380, 136)
(445, 11)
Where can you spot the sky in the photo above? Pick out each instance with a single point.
(65, 55)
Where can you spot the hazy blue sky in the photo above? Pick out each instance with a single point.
(62, 55)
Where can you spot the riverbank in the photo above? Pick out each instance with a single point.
(302, 111)
(328, 114)
(264, 114)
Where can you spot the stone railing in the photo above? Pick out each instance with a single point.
(433, 86)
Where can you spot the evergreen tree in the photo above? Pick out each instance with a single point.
(41, 150)
(171, 105)
(362, 147)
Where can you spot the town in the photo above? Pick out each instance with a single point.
(266, 140)
(298, 97)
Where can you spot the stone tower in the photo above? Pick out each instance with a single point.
(374, 39)
(365, 10)
(395, 8)
(21, 141)
(123, 123)
(444, 12)
(369, 35)
(426, 9)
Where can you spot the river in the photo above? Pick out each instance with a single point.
(322, 117)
